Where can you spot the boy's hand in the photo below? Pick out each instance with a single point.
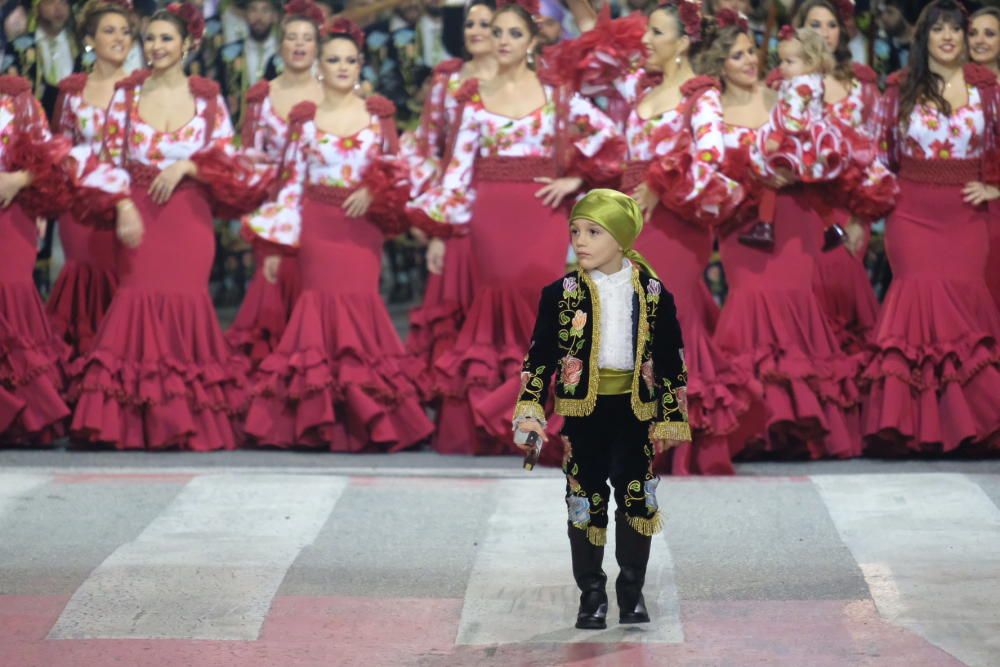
(530, 426)
(660, 445)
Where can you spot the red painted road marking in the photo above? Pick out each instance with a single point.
(124, 478)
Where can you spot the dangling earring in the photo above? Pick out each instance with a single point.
(677, 60)
(184, 56)
(88, 48)
(531, 58)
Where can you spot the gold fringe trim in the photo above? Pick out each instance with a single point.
(597, 536)
(671, 431)
(529, 409)
(648, 527)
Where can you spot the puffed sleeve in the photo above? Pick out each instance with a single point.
(386, 177)
(236, 184)
(448, 204)
(277, 224)
(599, 148)
(688, 177)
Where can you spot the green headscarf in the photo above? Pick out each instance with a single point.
(620, 215)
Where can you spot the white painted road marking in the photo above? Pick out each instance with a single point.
(521, 587)
(208, 566)
(13, 486)
(929, 547)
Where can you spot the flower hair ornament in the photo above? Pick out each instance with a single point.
(342, 26)
(786, 33)
(305, 9)
(533, 7)
(192, 18)
(689, 13)
(726, 18)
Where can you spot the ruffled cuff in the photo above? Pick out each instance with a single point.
(871, 194)
(442, 230)
(389, 188)
(679, 431)
(693, 191)
(603, 169)
(237, 187)
(51, 190)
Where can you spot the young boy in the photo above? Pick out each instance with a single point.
(611, 331)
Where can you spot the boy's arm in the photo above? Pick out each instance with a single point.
(540, 362)
(671, 422)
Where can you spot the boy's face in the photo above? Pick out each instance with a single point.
(792, 61)
(594, 246)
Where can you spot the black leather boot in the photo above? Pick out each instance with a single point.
(833, 237)
(632, 552)
(761, 235)
(590, 578)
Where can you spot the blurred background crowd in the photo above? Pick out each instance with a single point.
(405, 39)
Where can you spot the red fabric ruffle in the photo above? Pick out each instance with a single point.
(232, 182)
(387, 183)
(867, 200)
(670, 177)
(334, 384)
(604, 168)
(78, 302)
(265, 310)
(380, 106)
(50, 192)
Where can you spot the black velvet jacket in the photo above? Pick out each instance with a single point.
(567, 338)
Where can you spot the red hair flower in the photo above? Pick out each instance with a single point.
(192, 18)
(728, 17)
(786, 33)
(342, 26)
(533, 7)
(305, 9)
(689, 13)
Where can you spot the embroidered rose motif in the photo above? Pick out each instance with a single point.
(579, 510)
(682, 401)
(579, 321)
(653, 290)
(647, 374)
(569, 286)
(572, 371)
(649, 488)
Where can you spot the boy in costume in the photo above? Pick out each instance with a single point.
(610, 330)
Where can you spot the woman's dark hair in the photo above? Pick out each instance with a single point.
(95, 10)
(528, 19)
(173, 19)
(714, 52)
(707, 29)
(921, 84)
(842, 54)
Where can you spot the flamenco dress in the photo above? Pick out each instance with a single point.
(32, 410)
(519, 245)
(266, 307)
(160, 375)
(934, 380)
(339, 378)
(435, 323)
(88, 280)
(772, 328)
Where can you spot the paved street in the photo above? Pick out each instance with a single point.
(291, 559)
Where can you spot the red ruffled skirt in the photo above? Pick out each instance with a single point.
(160, 374)
(265, 311)
(772, 330)
(83, 291)
(339, 378)
(993, 259)
(935, 378)
(845, 294)
(718, 396)
(32, 411)
(518, 247)
(435, 323)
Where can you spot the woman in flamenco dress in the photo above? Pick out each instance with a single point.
(271, 295)
(934, 381)
(984, 49)
(674, 131)
(339, 378)
(771, 328)
(852, 96)
(87, 282)
(435, 323)
(522, 147)
(32, 186)
(160, 375)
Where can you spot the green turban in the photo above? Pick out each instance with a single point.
(619, 214)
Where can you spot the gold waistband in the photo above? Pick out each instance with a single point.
(614, 382)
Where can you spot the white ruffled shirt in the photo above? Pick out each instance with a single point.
(616, 294)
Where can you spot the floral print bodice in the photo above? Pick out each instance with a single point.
(932, 135)
(269, 133)
(423, 148)
(484, 134)
(80, 121)
(9, 129)
(858, 109)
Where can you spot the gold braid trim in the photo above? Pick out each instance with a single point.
(581, 407)
(647, 526)
(643, 411)
(671, 431)
(529, 409)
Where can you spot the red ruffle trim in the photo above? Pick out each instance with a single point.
(93, 206)
(133, 80)
(864, 73)
(389, 187)
(259, 91)
(232, 181)
(448, 67)
(14, 85)
(468, 91)
(202, 87)
(866, 200)
(979, 76)
(697, 84)
(74, 83)
(603, 169)
(670, 177)
(380, 106)
(51, 190)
